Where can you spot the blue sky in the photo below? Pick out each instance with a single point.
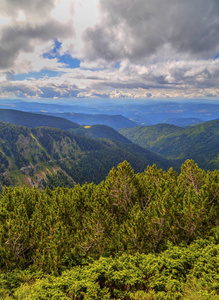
(143, 49)
(65, 58)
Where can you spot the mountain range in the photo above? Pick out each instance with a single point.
(32, 120)
(114, 121)
(48, 156)
(180, 113)
(39, 149)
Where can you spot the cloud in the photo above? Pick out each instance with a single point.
(30, 24)
(41, 88)
(150, 29)
(24, 38)
(193, 79)
(31, 9)
(109, 49)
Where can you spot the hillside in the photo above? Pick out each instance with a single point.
(32, 120)
(101, 131)
(199, 142)
(48, 156)
(114, 121)
(183, 122)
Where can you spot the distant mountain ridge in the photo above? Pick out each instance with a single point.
(101, 131)
(57, 120)
(183, 121)
(32, 120)
(114, 121)
(143, 113)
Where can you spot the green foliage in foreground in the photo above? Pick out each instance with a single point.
(152, 235)
(177, 273)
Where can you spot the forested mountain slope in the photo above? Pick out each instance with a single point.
(199, 142)
(44, 155)
(101, 131)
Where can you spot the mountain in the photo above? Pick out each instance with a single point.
(152, 114)
(101, 131)
(183, 121)
(32, 120)
(62, 120)
(114, 121)
(48, 156)
(199, 142)
(34, 107)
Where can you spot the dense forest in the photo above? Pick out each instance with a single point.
(133, 236)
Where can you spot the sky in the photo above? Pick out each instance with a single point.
(109, 49)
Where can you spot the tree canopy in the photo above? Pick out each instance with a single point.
(150, 235)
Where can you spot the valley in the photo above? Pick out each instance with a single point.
(40, 149)
(88, 211)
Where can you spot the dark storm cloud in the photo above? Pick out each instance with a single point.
(38, 26)
(136, 85)
(20, 37)
(127, 85)
(33, 7)
(142, 28)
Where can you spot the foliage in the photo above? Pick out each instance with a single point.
(169, 275)
(150, 235)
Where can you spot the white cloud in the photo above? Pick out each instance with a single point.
(164, 80)
(4, 20)
(63, 10)
(35, 62)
